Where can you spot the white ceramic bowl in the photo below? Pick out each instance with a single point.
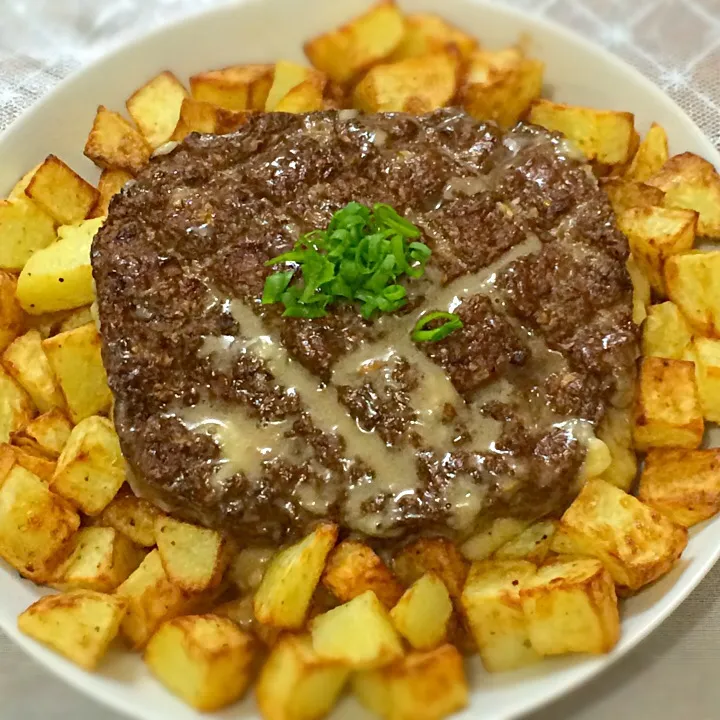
(266, 30)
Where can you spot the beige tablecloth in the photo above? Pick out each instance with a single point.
(676, 43)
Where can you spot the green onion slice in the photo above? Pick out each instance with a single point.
(421, 332)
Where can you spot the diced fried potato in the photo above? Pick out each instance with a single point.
(76, 318)
(247, 567)
(358, 634)
(151, 599)
(155, 107)
(432, 554)
(421, 686)
(487, 541)
(205, 660)
(625, 194)
(16, 407)
(288, 75)
(426, 33)
(422, 614)
(491, 603)
(603, 135)
(36, 526)
(110, 184)
(635, 543)
(650, 156)
(692, 285)
(284, 595)
(204, 117)
(18, 190)
(417, 85)
(296, 684)
(641, 291)
(132, 516)
(102, 559)
(707, 366)
(571, 607)
(113, 143)
(654, 235)
(61, 192)
(50, 430)
(25, 228)
(79, 625)
(305, 97)
(690, 182)
(667, 409)
(194, 558)
(666, 332)
(59, 277)
(26, 361)
(77, 364)
(12, 317)
(366, 40)
(7, 461)
(238, 87)
(36, 463)
(616, 431)
(684, 485)
(353, 568)
(532, 544)
(91, 467)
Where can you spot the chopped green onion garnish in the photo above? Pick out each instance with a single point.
(359, 257)
(421, 332)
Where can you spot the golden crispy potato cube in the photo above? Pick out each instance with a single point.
(352, 568)
(61, 192)
(113, 143)
(483, 544)
(152, 598)
(102, 559)
(79, 625)
(289, 75)
(635, 543)
(296, 684)
(26, 361)
(616, 431)
(641, 290)
(284, 595)
(16, 407)
(25, 228)
(666, 332)
(18, 190)
(77, 363)
(684, 485)
(692, 285)
(36, 526)
(491, 604)
(422, 686)
(12, 317)
(76, 318)
(422, 614)
(305, 97)
(426, 33)
(707, 372)
(50, 430)
(204, 117)
(432, 554)
(606, 136)
(132, 516)
(691, 182)
(238, 87)
(7, 460)
(35, 462)
(532, 544)
(110, 184)
(625, 194)
(571, 607)
(654, 235)
(344, 54)
(91, 467)
(247, 567)
(203, 659)
(650, 156)
(155, 107)
(194, 558)
(667, 407)
(358, 634)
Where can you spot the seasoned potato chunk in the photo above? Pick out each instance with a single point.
(7, 460)
(12, 317)
(422, 614)
(296, 684)
(79, 625)
(421, 686)
(25, 228)
(571, 607)
(487, 541)
(691, 281)
(707, 366)
(368, 39)
(36, 526)
(110, 184)
(635, 543)
(491, 602)
(626, 194)
(650, 156)
(353, 568)
(204, 117)
(91, 467)
(426, 33)
(667, 408)
(238, 87)
(16, 408)
(666, 333)
(204, 659)
(616, 431)
(305, 97)
(532, 544)
(113, 143)
(358, 634)
(288, 75)
(34, 461)
(641, 290)
(284, 595)
(682, 484)
(50, 430)
(132, 516)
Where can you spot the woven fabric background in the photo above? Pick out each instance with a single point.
(676, 43)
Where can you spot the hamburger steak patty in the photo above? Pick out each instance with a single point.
(230, 415)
